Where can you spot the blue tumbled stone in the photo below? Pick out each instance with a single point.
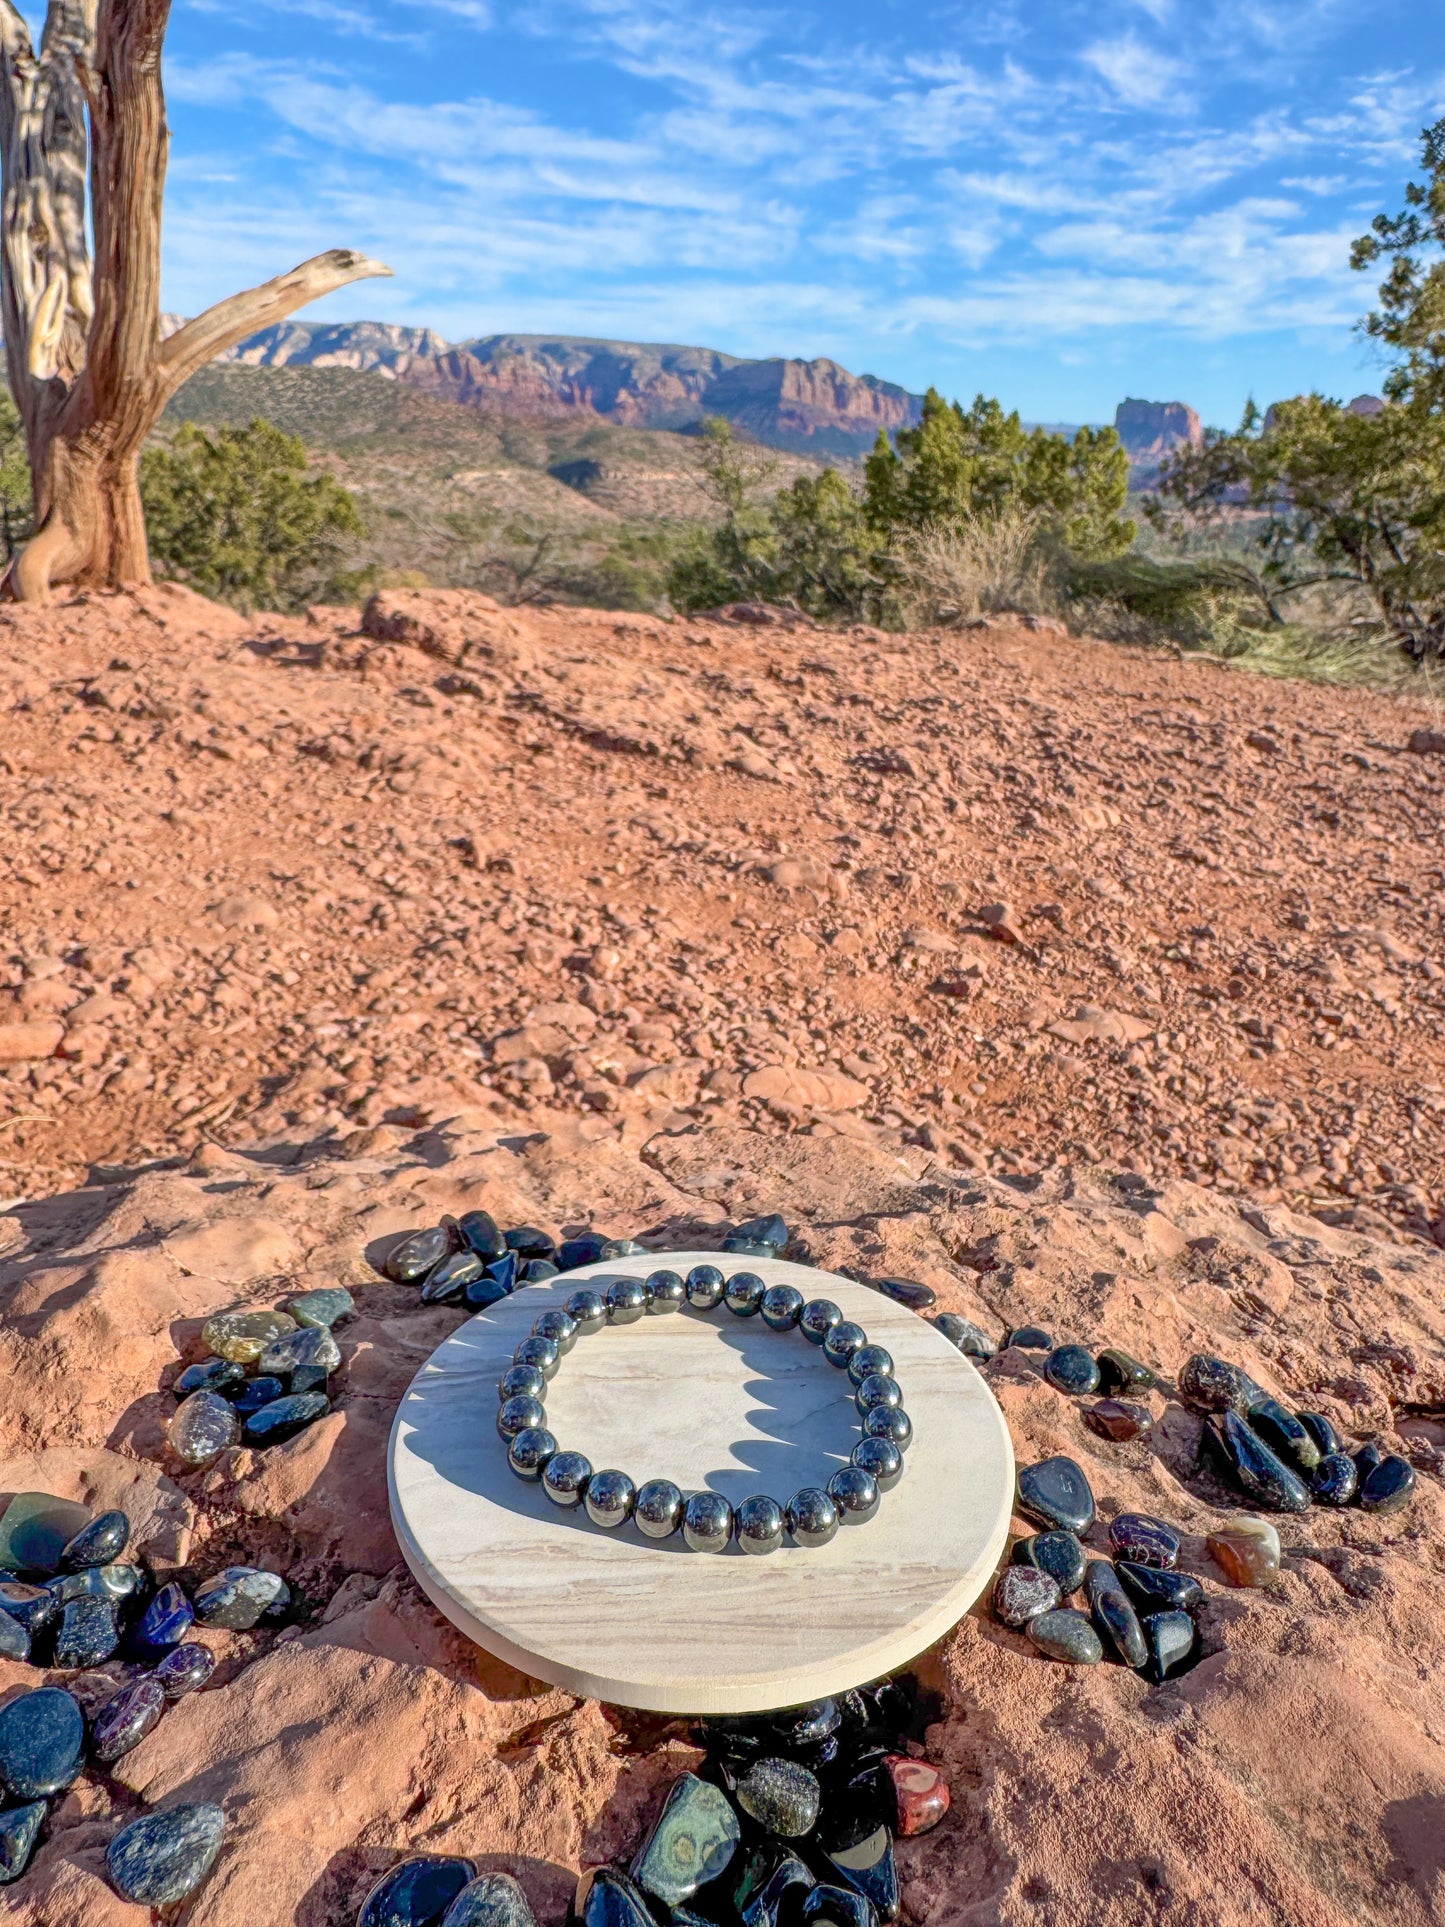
(284, 1417)
(503, 1271)
(19, 1829)
(586, 1250)
(607, 1898)
(162, 1857)
(258, 1392)
(42, 1742)
(165, 1621)
(417, 1892)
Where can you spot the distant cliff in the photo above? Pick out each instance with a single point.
(1151, 430)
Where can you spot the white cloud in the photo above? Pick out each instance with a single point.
(1139, 75)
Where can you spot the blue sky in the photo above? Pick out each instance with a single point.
(1057, 203)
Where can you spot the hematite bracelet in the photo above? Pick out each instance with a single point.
(657, 1508)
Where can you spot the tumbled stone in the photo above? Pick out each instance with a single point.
(859, 1849)
(491, 1900)
(42, 1742)
(1144, 1539)
(417, 1892)
(283, 1418)
(114, 1582)
(410, 1261)
(505, 1271)
(1116, 1419)
(781, 1796)
(1031, 1338)
(1071, 1369)
(1245, 1550)
(1068, 1636)
(184, 1669)
(1261, 1472)
(162, 1857)
(972, 1340)
(221, 1375)
(920, 1794)
(606, 1897)
(165, 1621)
(35, 1530)
(19, 1830)
(449, 1280)
(1389, 1486)
(124, 1721)
(1055, 1492)
(240, 1596)
(692, 1841)
(89, 1633)
(1113, 1614)
(1209, 1384)
(1367, 1458)
(1336, 1479)
(202, 1427)
(623, 1248)
(530, 1241)
(100, 1542)
(312, 1345)
(258, 1392)
(1059, 1554)
(1021, 1593)
(480, 1234)
(583, 1250)
(1154, 1591)
(1322, 1432)
(769, 1230)
(772, 1880)
(30, 1606)
(829, 1906)
(1118, 1372)
(1283, 1433)
(906, 1291)
(1170, 1638)
(14, 1639)
(244, 1335)
(328, 1305)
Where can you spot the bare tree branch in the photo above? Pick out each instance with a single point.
(221, 327)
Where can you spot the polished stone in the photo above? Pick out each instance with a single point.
(416, 1892)
(906, 1291)
(1119, 1420)
(1261, 1472)
(516, 1415)
(830, 1906)
(448, 1283)
(736, 1247)
(530, 1242)
(202, 1427)
(863, 1859)
(769, 1230)
(1208, 1384)
(100, 1542)
(114, 1582)
(878, 1389)
(184, 1670)
(705, 1286)
(609, 1499)
(32, 1607)
(14, 1639)
(124, 1721)
(658, 1510)
(759, 1526)
(503, 1273)
(410, 1261)
(165, 1621)
(782, 1307)
(1120, 1372)
(623, 1248)
(1154, 1591)
(1021, 1593)
(243, 1335)
(162, 1857)
(1055, 1492)
(1283, 1433)
(1388, 1487)
(1322, 1432)
(42, 1742)
(1245, 1550)
(707, 1522)
(1032, 1338)
(256, 1393)
(239, 1597)
(972, 1340)
(35, 1530)
(588, 1311)
(283, 1418)
(529, 1452)
(1170, 1638)
(491, 1900)
(606, 1897)
(855, 1493)
(564, 1478)
(782, 1796)
(867, 1361)
(691, 1841)
(19, 1830)
(1059, 1554)
(626, 1301)
(221, 1375)
(585, 1249)
(743, 1294)
(1144, 1539)
(1066, 1635)
(1367, 1458)
(842, 1341)
(89, 1633)
(880, 1459)
(1071, 1369)
(328, 1305)
(484, 1291)
(920, 1794)
(819, 1316)
(480, 1234)
(1113, 1614)
(811, 1516)
(1335, 1480)
(773, 1884)
(802, 1727)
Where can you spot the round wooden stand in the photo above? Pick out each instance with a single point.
(703, 1399)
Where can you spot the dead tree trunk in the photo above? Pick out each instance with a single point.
(88, 369)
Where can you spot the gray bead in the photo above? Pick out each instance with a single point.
(842, 1341)
(522, 1381)
(609, 1499)
(869, 1359)
(744, 1294)
(665, 1292)
(626, 1301)
(520, 1415)
(889, 1422)
(819, 1316)
(881, 1458)
(855, 1493)
(544, 1353)
(587, 1310)
(759, 1524)
(782, 1307)
(878, 1389)
(705, 1286)
(565, 1476)
(557, 1326)
(707, 1522)
(657, 1513)
(811, 1516)
(530, 1451)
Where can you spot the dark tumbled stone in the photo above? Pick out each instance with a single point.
(1154, 1590)
(1059, 1554)
(1119, 1372)
(1071, 1369)
(536, 1271)
(863, 1860)
(972, 1340)
(583, 1250)
(1322, 1432)
(1170, 1638)
(505, 1271)
(451, 1277)
(416, 1892)
(42, 1742)
(184, 1669)
(1055, 1493)
(221, 1375)
(692, 1841)
(606, 1897)
(769, 1230)
(165, 1621)
(36, 1528)
(1389, 1486)
(409, 1262)
(203, 1426)
(907, 1291)
(482, 1292)
(14, 1640)
(491, 1900)
(1209, 1384)
(1367, 1458)
(529, 1241)
(1144, 1539)
(772, 1883)
(1021, 1593)
(32, 1606)
(312, 1345)
(1335, 1480)
(1119, 1420)
(124, 1721)
(480, 1234)
(19, 1830)
(829, 1906)
(1068, 1636)
(240, 1597)
(622, 1248)
(1283, 1433)
(98, 1582)
(260, 1391)
(781, 1796)
(162, 1857)
(89, 1633)
(283, 1418)
(1031, 1338)
(326, 1306)
(1113, 1614)
(1262, 1474)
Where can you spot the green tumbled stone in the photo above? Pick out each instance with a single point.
(326, 1306)
(691, 1842)
(1067, 1636)
(36, 1529)
(19, 1827)
(243, 1335)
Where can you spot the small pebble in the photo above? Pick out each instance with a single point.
(89, 1633)
(184, 1669)
(1117, 1419)
(124, 1721)
(1118, 1372)
(1322, 1432)
(409, 1262)
(1055, 1492)
(284, 1417)
(1144, 1539)
(491, 1900)
(1283, 1433)
(14, 1639)
(222, 1375)
(202, 1427)
(692, 1841)
(1246, 1550)
(242, 1336)
(1071, 1369)
(32, 1607)
(1068, 1636)
(1032, 1338)
(165, 1621)
(1336, 1479)
(256, 1393)
(1057, 1553)
(972, 1340)
(769, 1230)
(103, 1540)
(19, 1830)
(445, 1285)
(1213, 1385)
(529, 1241)
(1389, 1486)
(1021, 1593)
(906, 1291)
(479, 1233)
(162, 1857)
(42, 1742)
(1170, 1639)
(416, 1892)
(1261, 1472)
(328, 1305)
(583, 1250)
(920, 1794)
(781, 1796)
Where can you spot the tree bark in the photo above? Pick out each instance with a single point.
(88, 369)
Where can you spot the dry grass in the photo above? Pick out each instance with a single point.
(988, 565)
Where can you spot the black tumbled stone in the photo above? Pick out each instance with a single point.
(769, 1230)
(1113, 1614)
(162, 1857)
(1261, 1472)
(1059, 1554)
(606, 1897)
(1154, 1590)
(1170, 1638)
(1208, 1384)
(1335, 1480)
(417, 1892)
(1119, 1372)
(1284, 1434)
(283, 1418)
(448, 1280)
(42, 1742)
(184, 1669)
(1144, 1539)
(33, 1607)
(98, 1544)
(1071, 1369)
(1030, 1338)
(410, 1261)
(585, 1249)
(480, 1234)
(907, 1291)
(829, 1906)
(972, 1340)
(1055, 1492)
(19, 1830)
(491, 1900)
(125, 1719)
(88, 1633)
(781, 1796)
(773, 1881)
(1389, 1486)
(529, 1242)
(221, 1375)
(240, 1597)
(1322, 1432)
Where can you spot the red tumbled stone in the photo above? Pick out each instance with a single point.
(920, 1791)
(1116, 1418)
